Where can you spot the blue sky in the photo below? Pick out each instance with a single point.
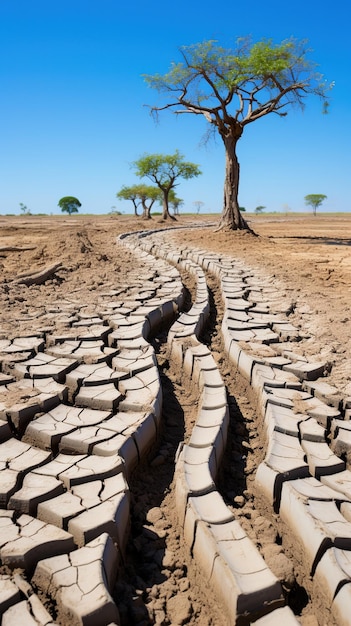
(73, 114)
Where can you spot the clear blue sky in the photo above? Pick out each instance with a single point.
(72, 114)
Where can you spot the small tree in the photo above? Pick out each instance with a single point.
(198, 204)
(174, 202)
(142, 194)
(24, 209)
(130, 193)
(69, 204)
(232, 88)
(259, 209)
(164, 170)
(148, 197)
(315, 200)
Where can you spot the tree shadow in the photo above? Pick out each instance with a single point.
(232, 478)
(328, 241)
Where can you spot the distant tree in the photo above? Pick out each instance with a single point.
(141, 194)
(130, 193)
(69, 204)
(314, 200)
(259, 209)
(149, 195)
(114, 211)
(232, 88)
(198, 204)
(24, 209)
(164, 170)
(175, 202)
(242, 209)
(287, 209)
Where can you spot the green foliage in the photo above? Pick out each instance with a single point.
(263, 76)
(69, 204)
(259, 209)
(142, 194)
(138, 192)
(315, 200)
(242, 209)
(130, 193)
(265, 59)
(164, 170)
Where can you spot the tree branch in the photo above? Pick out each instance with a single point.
(37, 278)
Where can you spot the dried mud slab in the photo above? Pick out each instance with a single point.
(260, 346)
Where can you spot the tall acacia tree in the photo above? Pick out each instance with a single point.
(165, 170)
(235, 87)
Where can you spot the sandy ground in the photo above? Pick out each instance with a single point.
(310, 258)
(311, 261)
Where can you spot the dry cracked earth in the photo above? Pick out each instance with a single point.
(175, 422)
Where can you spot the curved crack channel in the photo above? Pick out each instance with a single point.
(244, 451)
(157, 584)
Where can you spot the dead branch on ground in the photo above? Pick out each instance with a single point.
(37, 278)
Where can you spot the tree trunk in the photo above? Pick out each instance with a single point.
(144, 213)
(135, 208)
(231, 216)
(37, 278)
(147, 209)
(165, 208)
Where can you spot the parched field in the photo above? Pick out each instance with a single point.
(175, 421)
